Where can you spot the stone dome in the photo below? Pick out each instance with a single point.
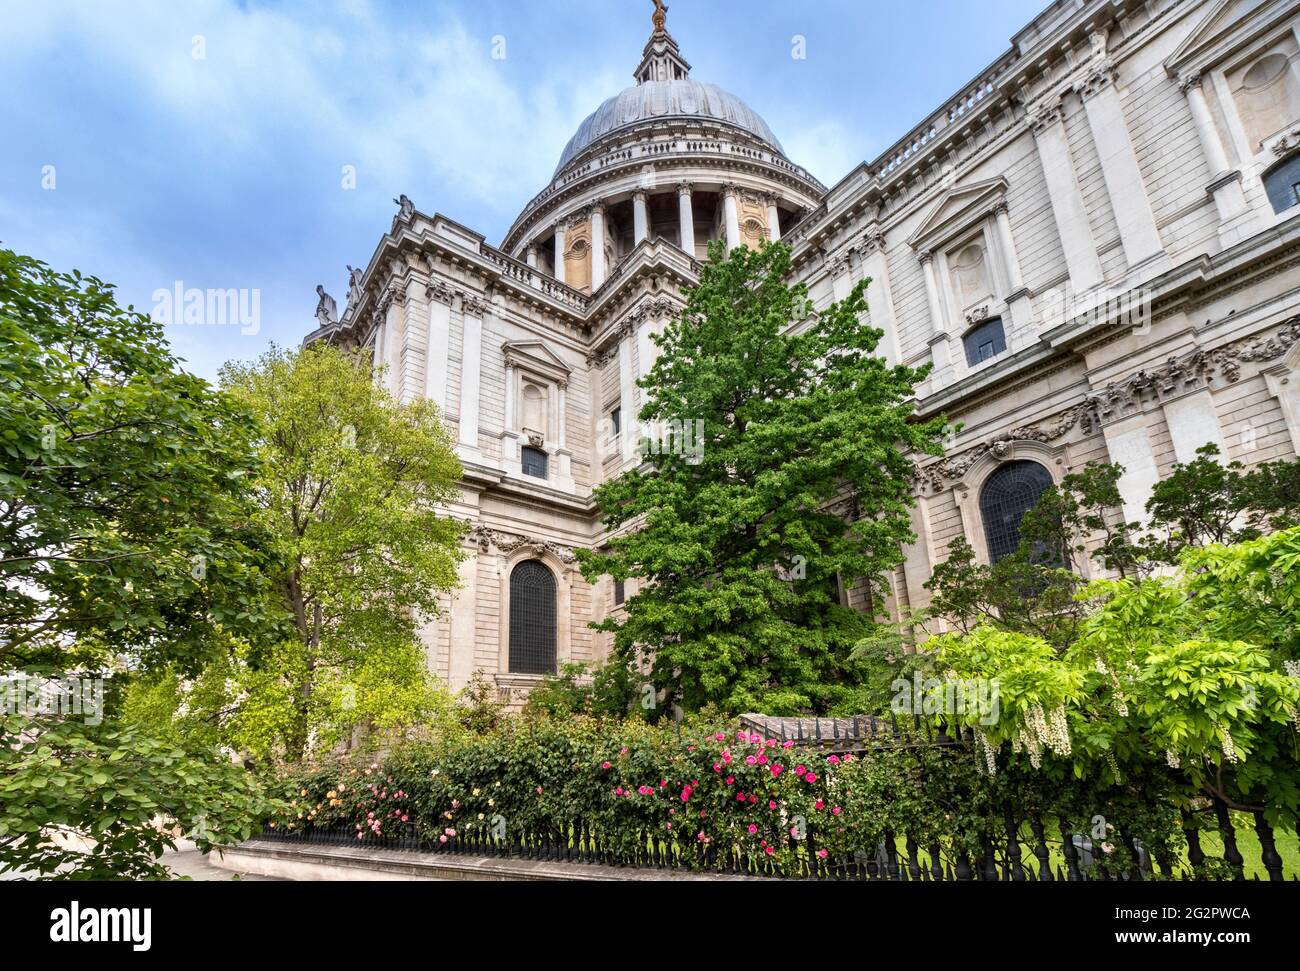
(684, 98)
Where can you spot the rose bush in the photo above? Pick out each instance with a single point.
(635, 794)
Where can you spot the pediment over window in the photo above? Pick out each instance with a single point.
(1230, 25)
(536, 357)
(957, 211)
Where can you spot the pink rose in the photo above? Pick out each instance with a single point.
(835, 811)
(771, 804)
(821, 854)
(776, 771)
(750, 760)
(604, 765)
(810, 777)
(752, 829)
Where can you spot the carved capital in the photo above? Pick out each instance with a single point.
(1045, 116)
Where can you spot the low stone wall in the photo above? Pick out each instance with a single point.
(309, 862)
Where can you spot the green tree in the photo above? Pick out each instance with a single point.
(118, 790)
(351, 488)
(128, 542)
(126, 528)
(1187, 674)
(800, 486)
(1206, 501)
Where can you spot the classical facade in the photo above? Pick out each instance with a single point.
(1096, 243)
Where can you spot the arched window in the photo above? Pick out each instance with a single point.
(984, 341)
(1282, 183)
(532, 619)
(1008, 494)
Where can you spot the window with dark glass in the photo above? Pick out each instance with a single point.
(620, 592)
(985, 341)
(532, 619)
(534, 461)
(616, 420)
(1282, 183)
(1008, 494)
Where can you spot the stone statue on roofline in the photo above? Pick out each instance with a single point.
(405, 207)
(327, 309)
(354, 285)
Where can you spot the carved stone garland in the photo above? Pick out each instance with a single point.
(1117, 400)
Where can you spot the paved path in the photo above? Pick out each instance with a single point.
(187, 861)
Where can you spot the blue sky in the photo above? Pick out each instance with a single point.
(225, 170)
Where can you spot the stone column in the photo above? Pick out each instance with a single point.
(1129, 445)
(561, 410)
(731, 216)
(640, 217)
(1018, 304)
(415, 334)
(626, 390)
(939, 354)
(377, 359)
(559, 252)
(1119, 166)
(938, 321)
(880, 298)
(532, 255)
(773, 220)
(1283, 382)
(509, 434)
(687, 216)
(563, 457)
(1225, 184)
(1007, 243)
(471, 373)
(1068, 208)
(838, 269)
(597, 246)
(1211, 143)
(462, 626)
(1193, 421)
(435, 376)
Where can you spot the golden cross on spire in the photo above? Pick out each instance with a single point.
(660, 15)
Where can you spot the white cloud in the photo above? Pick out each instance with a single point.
(407, 102)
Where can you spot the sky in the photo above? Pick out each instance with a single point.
(257, 146)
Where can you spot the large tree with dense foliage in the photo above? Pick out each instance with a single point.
(350, 489)
(1190, 671)
(126, 526)
(128, 541)
(801, 486)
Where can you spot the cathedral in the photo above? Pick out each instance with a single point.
(1095, 243)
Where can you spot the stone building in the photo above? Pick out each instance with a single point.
(1096, 243)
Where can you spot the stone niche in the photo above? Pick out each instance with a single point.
(577, 255)
(752, 216)
(1266, 90)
